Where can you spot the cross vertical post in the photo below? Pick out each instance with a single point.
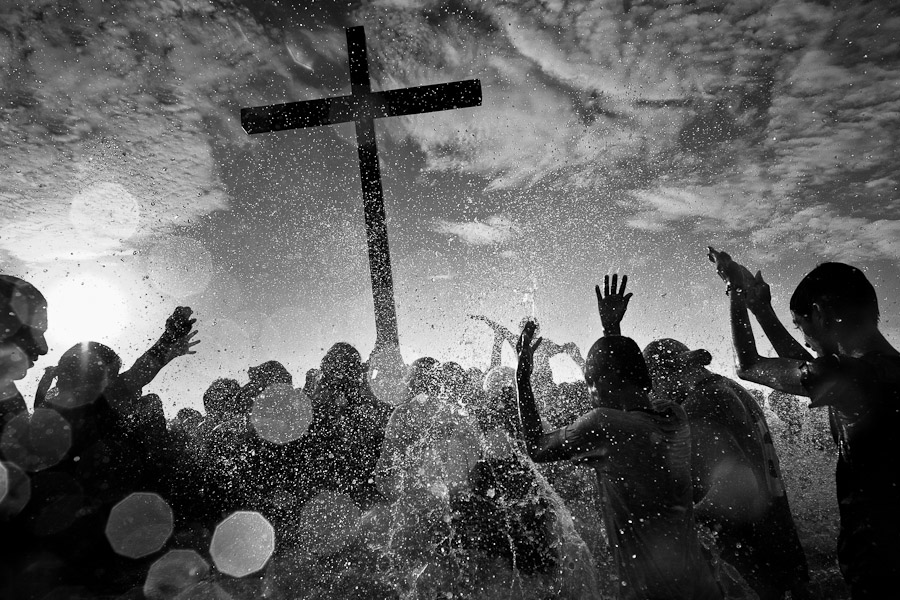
(362, 107)
(373, 199)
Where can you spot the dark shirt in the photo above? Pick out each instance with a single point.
(863, 399)
(643, 463)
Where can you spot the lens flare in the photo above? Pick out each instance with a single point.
(38, 441)
(173, 575)
(242, 544)
(281, 414)
(86, 308)
(139, 525)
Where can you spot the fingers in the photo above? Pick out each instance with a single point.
(599, 293)
(605, 286)
(627, 298)
(536, 344)
(624, 281)
(615, 283)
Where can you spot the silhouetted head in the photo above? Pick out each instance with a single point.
(220, 397)
(23, 322)
(616, 374)
(188, 420)
(84, 372)
(269, 373)
(454, 379)
(672, 365)
(424, 377)
(342, 367)
(831, 301)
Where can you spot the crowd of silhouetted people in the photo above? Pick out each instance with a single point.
(688, 498)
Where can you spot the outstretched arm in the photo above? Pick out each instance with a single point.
(175, 341)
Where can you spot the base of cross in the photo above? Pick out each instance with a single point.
(387, 373)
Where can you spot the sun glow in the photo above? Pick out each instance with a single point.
(86, 308)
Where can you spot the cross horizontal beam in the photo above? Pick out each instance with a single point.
(361, 107)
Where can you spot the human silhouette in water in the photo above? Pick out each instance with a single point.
(642, 456)
(856, 374)
(23, 322)
(738, 489)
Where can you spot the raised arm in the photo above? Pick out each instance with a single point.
(175, 341)
(759, 301)
(44, 385)
(529, 418)
(782, 374)
(501, 334)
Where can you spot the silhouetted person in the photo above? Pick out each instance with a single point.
(111, 454)
(23, 321)
(642, 456)
(738, 489)
(348, 425)
(219, 401)
(856, 374)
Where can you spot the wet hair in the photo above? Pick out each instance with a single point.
(87, 363)
(219, 397)
(616, 359)
(840, 287)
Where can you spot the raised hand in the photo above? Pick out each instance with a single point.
(612, 303)
(525, 348)
(736, 275)
(179, 333)
(757, 293)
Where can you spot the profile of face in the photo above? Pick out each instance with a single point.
(814, 335)
(23, 322)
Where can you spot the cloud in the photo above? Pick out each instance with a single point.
(132, 98)
(494, 230)
(736, 119)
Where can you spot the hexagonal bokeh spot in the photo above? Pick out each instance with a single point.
(281, 414)
(176, 572)
(328, 523)
(37, 441)
(15, 490)
(139, 525)
(242, 544)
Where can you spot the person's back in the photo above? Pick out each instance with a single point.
(646, 482)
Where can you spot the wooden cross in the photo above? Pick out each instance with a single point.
(362, 107)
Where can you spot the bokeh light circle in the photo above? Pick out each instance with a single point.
(387, 376)
(328, 523)
(105, 209)
(173, 574)
(139, 525)
(38, 441)
(16, 490)
(242, 544)
(179, 266)
(281, 414)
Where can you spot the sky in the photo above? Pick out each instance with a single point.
(617, 136)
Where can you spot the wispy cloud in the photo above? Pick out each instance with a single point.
(494, 230)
